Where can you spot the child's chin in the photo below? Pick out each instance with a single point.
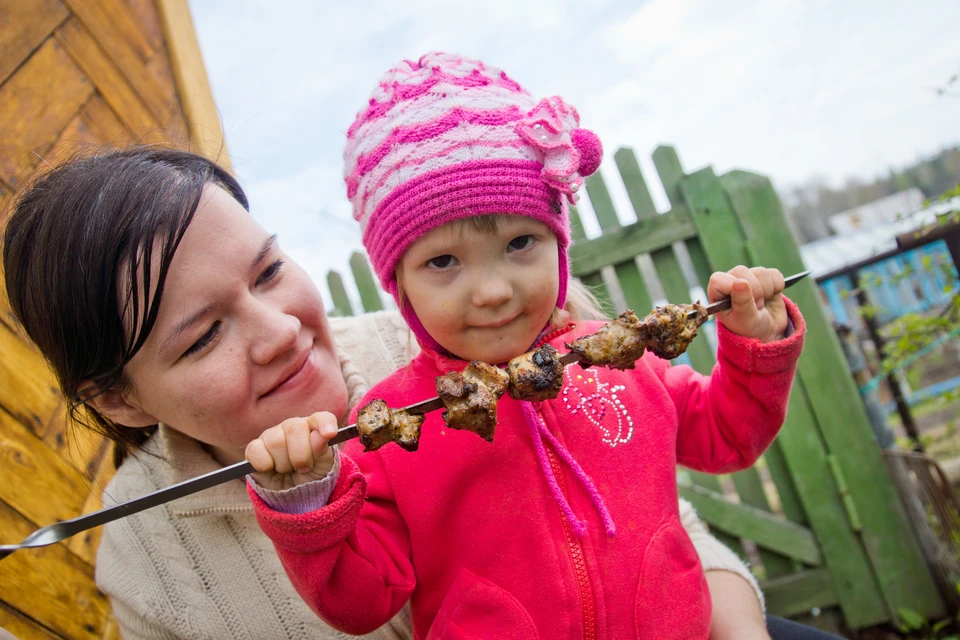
(498, 355)
(495, 346)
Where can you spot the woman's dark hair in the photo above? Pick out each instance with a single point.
(79, 233)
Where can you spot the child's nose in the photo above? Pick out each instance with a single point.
(491, 289)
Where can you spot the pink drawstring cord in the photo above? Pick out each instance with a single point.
(538, 430)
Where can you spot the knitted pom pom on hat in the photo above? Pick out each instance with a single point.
(447, 137)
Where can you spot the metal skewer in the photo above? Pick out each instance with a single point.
(54, 533)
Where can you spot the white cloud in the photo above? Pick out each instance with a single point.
(787, 89)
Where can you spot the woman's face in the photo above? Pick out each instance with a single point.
(241, 342)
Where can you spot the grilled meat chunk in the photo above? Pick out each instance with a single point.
(668, 330)
(617, 344)
(374, 425)
(378, 424)
(406, 429)
(536, 375)
(471, 397)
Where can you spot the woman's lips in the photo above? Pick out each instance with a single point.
(304, 375)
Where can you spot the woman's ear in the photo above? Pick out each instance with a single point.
(120, 409)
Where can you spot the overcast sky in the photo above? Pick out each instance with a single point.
(789, 88)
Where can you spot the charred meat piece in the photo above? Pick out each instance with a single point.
(406, 429)
(618, 344)
(471, 397)
(494, 378)
(374, 425)
(536, 375)
(669, 332)
(378, 424)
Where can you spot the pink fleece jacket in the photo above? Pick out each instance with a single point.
(470, 531)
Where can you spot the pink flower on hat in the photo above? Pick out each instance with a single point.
(569, 153)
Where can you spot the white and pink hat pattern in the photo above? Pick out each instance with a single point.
(446, 137)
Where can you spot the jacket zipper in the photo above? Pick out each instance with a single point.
(575, 547)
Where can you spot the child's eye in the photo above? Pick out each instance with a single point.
(270, 272)
(521, 242)
(204, 340)
(441, 262)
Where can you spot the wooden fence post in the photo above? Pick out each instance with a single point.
(594, 281)
(628, 274)
(900, 569)
(724, 242)
(366, 283)
(664, 260)
(748, 483)
(341, 303)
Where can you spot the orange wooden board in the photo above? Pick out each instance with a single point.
(24, 27)
(112, 630)
(6, 314)
(39, 484)
(101, 119)
(84, 545)
(49, 90)
(28, 389)
(22, 627)
(55, 586)
(114, 29)
(110, 82)
(126, 26)
(176, 127)
(76, 444)
(77, 138)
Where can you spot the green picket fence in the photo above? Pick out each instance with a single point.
(818, 517)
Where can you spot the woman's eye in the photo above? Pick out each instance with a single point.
(442, 262)
(520, 242)
(204, 340)
(270, 272)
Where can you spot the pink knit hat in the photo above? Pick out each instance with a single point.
(446, 137)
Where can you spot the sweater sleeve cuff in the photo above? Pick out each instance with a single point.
(320, 528)
(754, 356)
(716, 556)
(303, 498)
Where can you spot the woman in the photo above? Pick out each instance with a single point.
(176, 309)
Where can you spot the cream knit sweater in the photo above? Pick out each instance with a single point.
(199, 567)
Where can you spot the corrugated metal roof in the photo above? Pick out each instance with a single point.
(835, 252)
(881, 211)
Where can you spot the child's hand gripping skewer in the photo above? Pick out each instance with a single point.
(757, 309)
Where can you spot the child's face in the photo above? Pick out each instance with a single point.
(483, 296)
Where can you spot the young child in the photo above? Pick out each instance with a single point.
(567, 524)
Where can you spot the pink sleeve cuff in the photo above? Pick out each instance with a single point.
(751, 355)
(322, 528)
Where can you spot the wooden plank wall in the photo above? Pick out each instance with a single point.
(75, 75)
